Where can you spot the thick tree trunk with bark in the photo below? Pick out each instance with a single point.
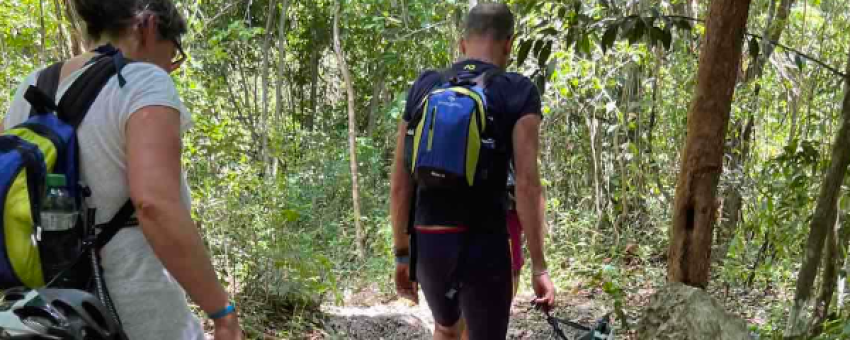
(695, 207)
(821, 222)
(352, 134)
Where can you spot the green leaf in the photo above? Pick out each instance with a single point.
(524, 48)
(551, 31)
(584, 45)
(627, 27)
(683, 24)
(571, 38)
(655, 12)
(562, 12)
(655, 35)
(798, 59)
(551, 67)
(538, 46)
(543, 57)
(637, 33)
(754, 48)
(609, 37)
(667, 38)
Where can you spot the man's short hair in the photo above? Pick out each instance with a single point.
(492, 20)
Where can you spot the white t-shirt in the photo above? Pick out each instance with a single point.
(102, 135)
(150, 302)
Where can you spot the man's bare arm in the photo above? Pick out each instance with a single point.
(529, 192)
(401, 193)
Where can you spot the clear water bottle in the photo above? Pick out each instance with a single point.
(61, 238)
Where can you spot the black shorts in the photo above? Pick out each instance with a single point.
(481, 274)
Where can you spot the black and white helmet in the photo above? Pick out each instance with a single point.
(55, 314)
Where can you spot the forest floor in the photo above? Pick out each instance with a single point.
(370, 314)
(400, 319)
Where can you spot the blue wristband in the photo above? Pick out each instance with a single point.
(222, 313)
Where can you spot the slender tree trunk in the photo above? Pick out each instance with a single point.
(831, 263)
(759, 258)
(843, 238)
(75, 34)
(281, 62)
(377, 89)
(352, 133)
(314, 60)
(822, 220)
(733, 201)
(264, 147)
(281, 51)
(776, 25)
(695, 207)
(685, 8)
(592, 126)
(60, 31)
(43, 32)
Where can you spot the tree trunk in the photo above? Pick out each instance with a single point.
(281, 51)
(831, 261)
(592, 127)
(732, 200)
(843, 237)
(821, 222)
(264, 147)
(75, 34)
(374, 103)
(311, 120)
(685, 8)
(43, 32)
(352, 134)
(776, 25)
(694, 211)
(281, 62)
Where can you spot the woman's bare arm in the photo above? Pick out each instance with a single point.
(154, 171)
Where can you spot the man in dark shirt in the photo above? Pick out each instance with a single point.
(462, 256)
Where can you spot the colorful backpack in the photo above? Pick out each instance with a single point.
(47, 144)
(449, 139)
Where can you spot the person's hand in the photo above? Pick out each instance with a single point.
(404, 287)
(227, 328)
(544, 290)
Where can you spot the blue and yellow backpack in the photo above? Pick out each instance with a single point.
(450, 140)
(45, 144)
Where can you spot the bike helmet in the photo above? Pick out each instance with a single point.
(55, 314)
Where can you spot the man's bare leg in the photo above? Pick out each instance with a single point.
(447, 333)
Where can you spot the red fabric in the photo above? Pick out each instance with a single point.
(427, 230)
(515, 231)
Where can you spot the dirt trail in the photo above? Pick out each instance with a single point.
(398, 320)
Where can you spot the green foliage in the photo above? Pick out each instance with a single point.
(616, 81)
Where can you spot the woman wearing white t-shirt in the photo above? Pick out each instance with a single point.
(130, 146)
